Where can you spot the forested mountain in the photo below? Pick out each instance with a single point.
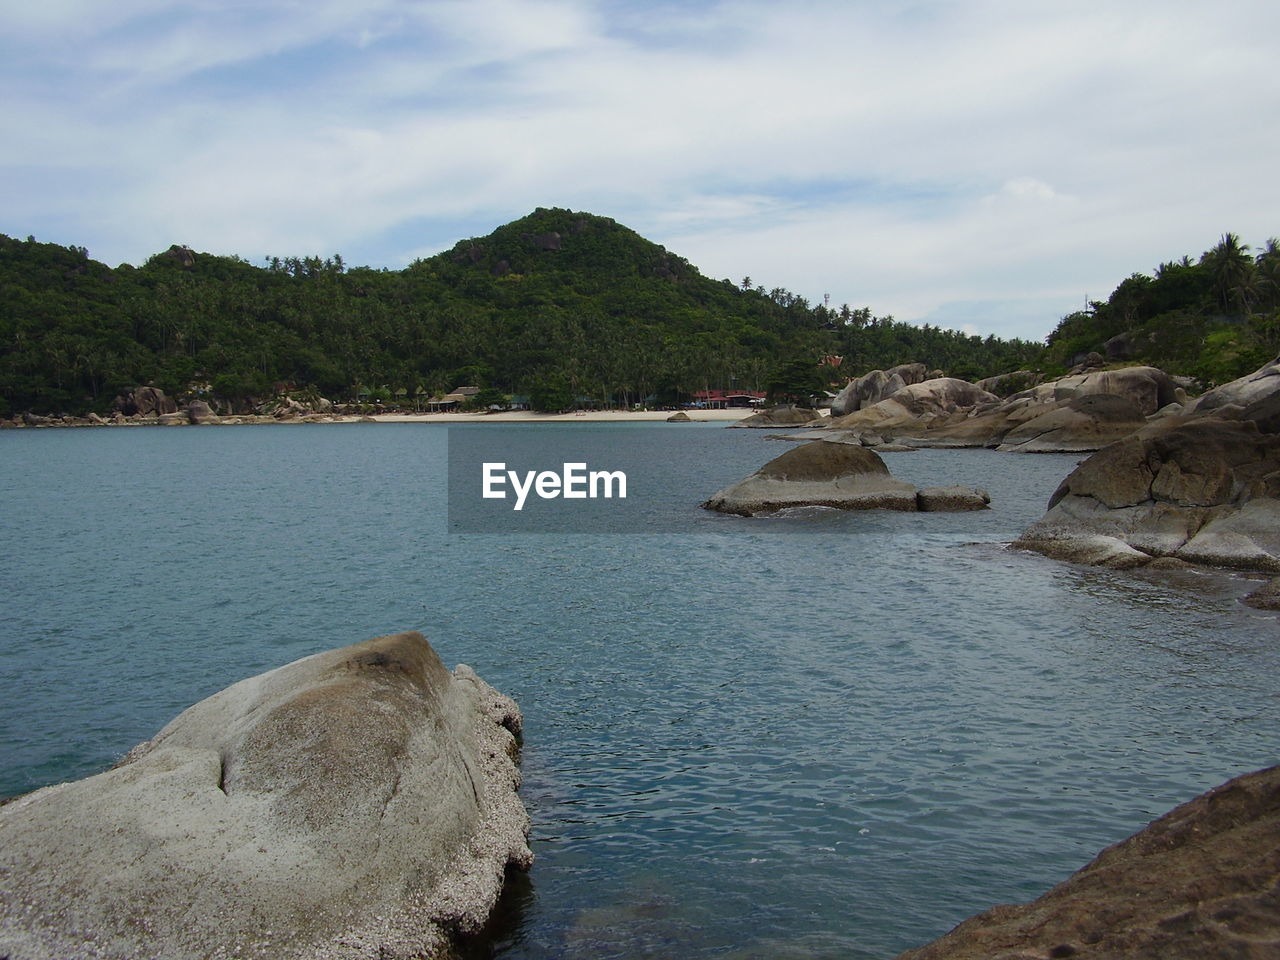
(557, 303)
(1215, 319)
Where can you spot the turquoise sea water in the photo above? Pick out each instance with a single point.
(827, 735)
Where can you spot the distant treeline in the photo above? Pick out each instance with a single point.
(558, 305)
(561, 306)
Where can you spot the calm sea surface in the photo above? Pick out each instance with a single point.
(828, 735)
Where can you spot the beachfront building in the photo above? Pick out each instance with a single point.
(726, 399)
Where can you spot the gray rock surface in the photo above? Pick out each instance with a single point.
(1083, 423)
(875, 386)
(1197, 884)
(358, 803)
(952, 499)
(781, 417)
(916, 407)
(1203, 491)
(200, 412)
(847, 476)
(818, 473)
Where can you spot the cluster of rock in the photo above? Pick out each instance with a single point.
(840, 475)
(359, 803)
(1075, 413)
(1199, 882)
(878, 385)
(150, 406)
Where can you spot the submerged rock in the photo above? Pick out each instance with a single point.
(1266, 597)
(833, 474)
(358, 803)
(1199, 882)
(1202, 491)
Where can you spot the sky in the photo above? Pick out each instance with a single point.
(986, 166)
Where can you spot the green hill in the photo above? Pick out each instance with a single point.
(557, 304)
(1216, 318)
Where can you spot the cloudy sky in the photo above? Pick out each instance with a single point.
(982, 165)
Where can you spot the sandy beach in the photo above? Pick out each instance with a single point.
(585, 416)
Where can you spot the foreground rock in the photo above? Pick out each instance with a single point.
(781, 417)
(841, 475)
(359, 803)
(1200, 882)
(1202, 491)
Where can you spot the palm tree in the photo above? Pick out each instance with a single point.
(1232, 270)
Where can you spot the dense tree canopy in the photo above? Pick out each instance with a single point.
(1216, 318)
(555, 305)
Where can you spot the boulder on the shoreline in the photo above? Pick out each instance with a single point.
(916, 407)
(679, 417)
(832, 474)
(145, 401)
(1247, 391)
(1203, 491)
(1199, 882)
(1081, 424)
(200, 412)
(358, 803)
(781, 417)
(877, 385)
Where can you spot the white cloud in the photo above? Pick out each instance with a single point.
(907, 157)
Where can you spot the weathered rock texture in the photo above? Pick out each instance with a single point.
(1077, 413)
(875, 386)
(1203, 491)
(842, 475)
(916, 407)
(1083, 423)
(780, 417)
(1201, 882)
(358, 803)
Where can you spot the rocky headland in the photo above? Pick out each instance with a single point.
(359, 803)
(841, 475)
(1200, 882)
(1080, 412)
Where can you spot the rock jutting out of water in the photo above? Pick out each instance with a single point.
(841, 475)
(358, 803)
(1204, 491)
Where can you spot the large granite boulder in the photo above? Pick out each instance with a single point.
(145, 401)
(1202, 491)
(875, 386)
(917, 407)
(1200, 882)
(847, 476)
(199, 412)
(1254, 397)
(781, 417)
(358, 803)
(1087, 422)
(817, 474)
